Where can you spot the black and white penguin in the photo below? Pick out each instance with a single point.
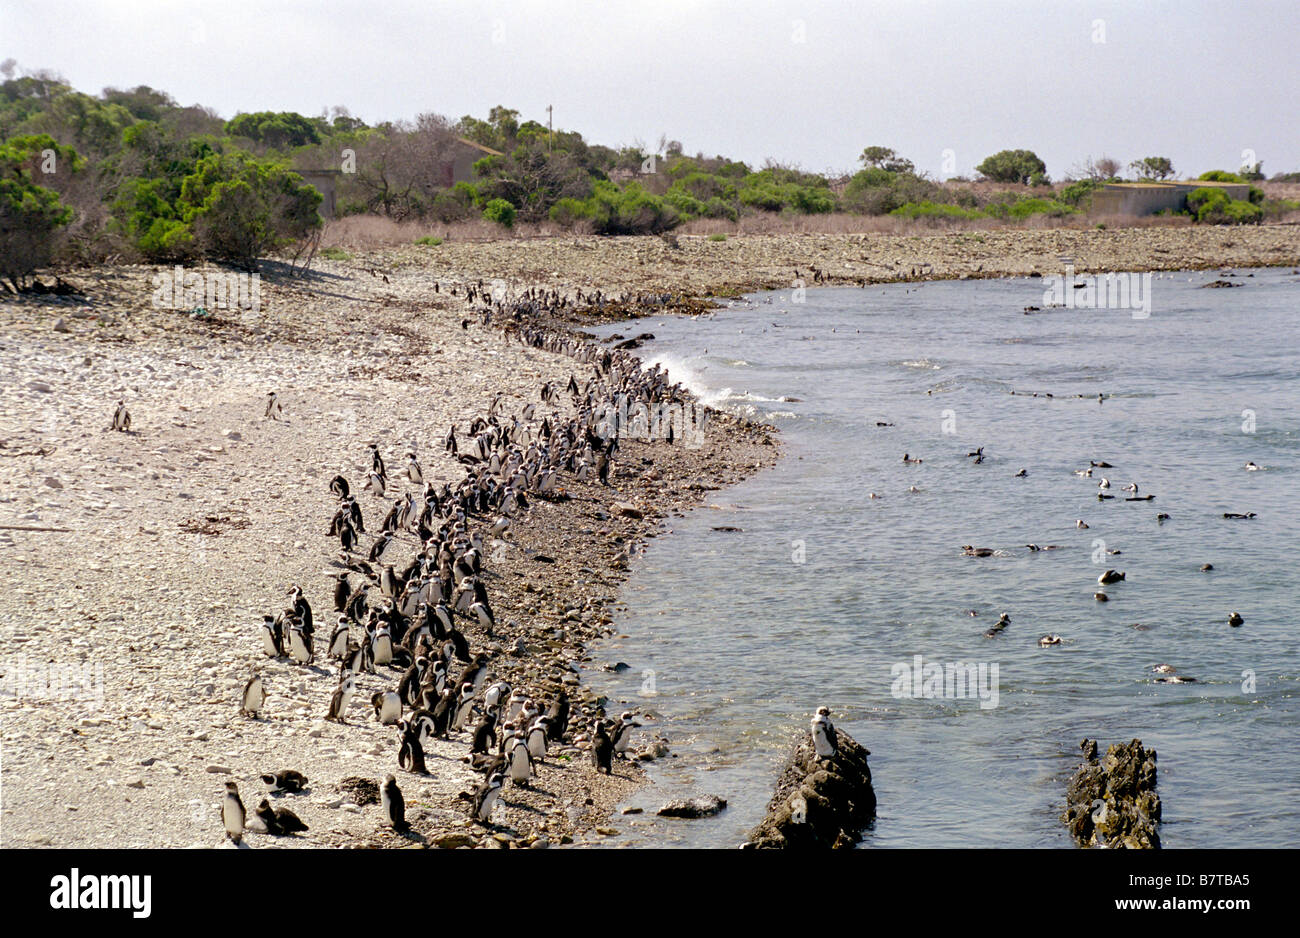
(520, 762)
(485, 732)
(826, 742)
(1110, 576)
(537, 734)
(264, 819)
(232, 813)
(408, 689)
(254, 697)
(411, 754)
(288, 780)
(341, 697)
(464, 706)
(485, 798)
(602, 749)
(413, 470)
(338, 647)
(272, 637)
(381, 646)
(122, 418)
(339, 486)
(557, 717)
(1235, 619)
(300, 644)
(274, 410)
(622, 737)
(393, 805)
(388, 707)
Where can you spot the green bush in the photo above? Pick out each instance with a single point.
(876, 191)
(1276, 208)
(501, 212)
(1079, 194)
(1239, 212)
(1219, 175)
(429, 240)
(30, 214)
(1012, 166)
(935, 211)
(614, 211)
(335, 254)
(717, 237)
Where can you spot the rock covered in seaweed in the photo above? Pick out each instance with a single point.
(819, 804)
(1113, 802)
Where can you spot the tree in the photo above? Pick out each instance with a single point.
(886, 159)
(1153, 167)
(1012, 166)
(1253, 173)
(280, 131)
(30, 214)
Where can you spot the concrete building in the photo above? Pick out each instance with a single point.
(325, 181)
(1147, 198)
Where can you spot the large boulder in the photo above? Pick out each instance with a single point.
(1113, 802)
(818, 804)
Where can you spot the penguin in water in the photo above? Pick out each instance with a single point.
(622, 737)
(388, 707)
(341, 697)
(232, 813)
(826, 742)
(254, 697)
(1110, 576)
(393, 805)
(602, 749)
(122, 418)
(1235, 619)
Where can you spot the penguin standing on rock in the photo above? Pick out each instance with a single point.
(485, 798)
(826, 741)
(274, 410)
(622, 737)
(122, 418)
(411, 754)
(602, 749)
(341, 697)
(393, 805)
(388, 707)
(232, 813)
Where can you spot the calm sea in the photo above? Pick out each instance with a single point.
(825, 594)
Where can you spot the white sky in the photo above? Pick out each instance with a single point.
(807, 82)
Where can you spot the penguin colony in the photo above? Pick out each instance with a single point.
(422, 623)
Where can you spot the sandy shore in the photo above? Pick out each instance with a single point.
(143, 563)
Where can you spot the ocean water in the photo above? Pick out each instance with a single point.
(735, 638)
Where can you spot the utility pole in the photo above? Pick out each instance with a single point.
(550, 130)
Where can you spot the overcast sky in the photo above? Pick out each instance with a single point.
(808, 82)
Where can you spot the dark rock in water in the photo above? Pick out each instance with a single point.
(363, 791)
(1219, 284)
(819, 805)
(1113, 803)
(705, 806)
(728, 528)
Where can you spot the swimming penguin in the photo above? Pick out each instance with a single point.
(274, 411)
(122, 418)
(1235, 619)
(394, 807)
(602, 750)
(341, 697)
(254, 697)
(232, 813)
(486, 796)
(1022, 473)
(411, 754)
(1101, 597)
(288, 780)
(1110, 576)
(826, 742)
(1047, 640)
(388, 707)
(622, 737)
(1081, 524)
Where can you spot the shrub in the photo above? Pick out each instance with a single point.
(1012, 166)
(717, 237)
(30, 215)
(335, 254)
(934, 210)
(429, 240)
(1219, 175)
(501, 212)
(1079, 194)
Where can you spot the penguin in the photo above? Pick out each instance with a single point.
(602, 750)
(339, 486)
(272, 637)
(288, 780)
(411, 754)
(521, 763)
(122, 418)
(341, 697)
(232, 813)
(381, 646)
(338, 647)
(288, 822)
(408, 689)
(264, 819)
(1047, 640)
(413, 470)
(486, 796)
(557, 717)
(1235, 619)
(537, 739)
(622, 737)
(1110, 576)
(464, 706)
(826, 742)
(274, 411)
(388, 707)
(254, 697)
(485, 732)
(393, 805)
(300, 645)
(342, 590)
(485, 617)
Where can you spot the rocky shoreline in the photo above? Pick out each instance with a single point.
(141, 564)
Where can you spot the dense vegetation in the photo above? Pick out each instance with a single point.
(132, 172)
